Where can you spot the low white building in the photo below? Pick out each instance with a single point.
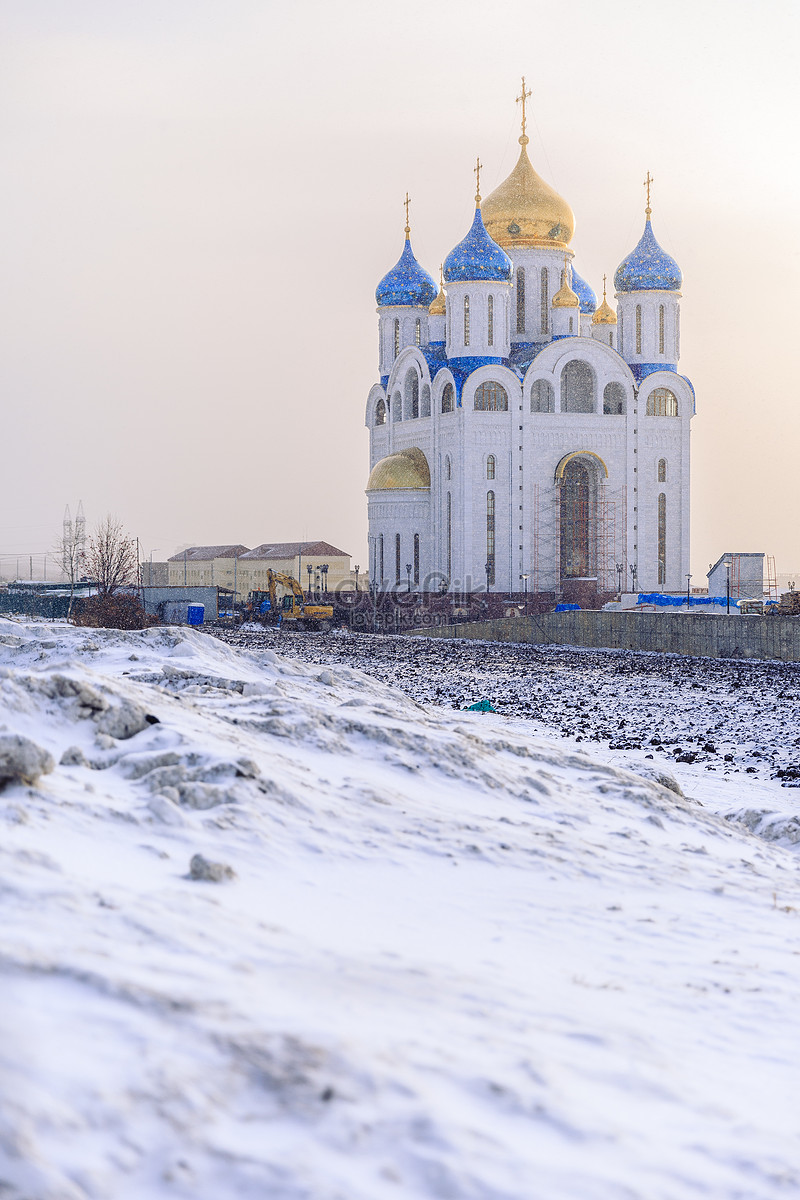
(745, 572)
(519, 429)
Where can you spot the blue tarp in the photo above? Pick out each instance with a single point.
(679, 601)
(662, 601)
(568, 608)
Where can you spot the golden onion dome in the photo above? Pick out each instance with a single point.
(403, 469)
(526, 211)
(605, 314)
(565, 297)
(439, 306)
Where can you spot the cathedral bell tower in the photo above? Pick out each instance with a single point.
(648, 284)
(404, 296)
(478, 276)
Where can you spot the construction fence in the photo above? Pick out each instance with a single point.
(697, 635)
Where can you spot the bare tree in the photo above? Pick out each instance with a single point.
(70, 551)
(111, 560)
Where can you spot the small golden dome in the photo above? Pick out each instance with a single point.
(565, 297)
(404, 469)
(605, 314)
(526, 211)
(439, 306)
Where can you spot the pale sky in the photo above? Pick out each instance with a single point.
(200, 197)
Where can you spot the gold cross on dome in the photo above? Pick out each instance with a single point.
(407, 201)
(477, 169)
(604, 287)
(647, 183)
(521, 100)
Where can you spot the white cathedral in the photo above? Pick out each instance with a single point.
(521, 437)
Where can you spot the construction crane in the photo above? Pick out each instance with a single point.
(291, 608)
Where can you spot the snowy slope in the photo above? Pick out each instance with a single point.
(457, 959)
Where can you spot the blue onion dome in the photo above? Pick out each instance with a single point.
(477, 257)
(407, 283)
(648, 268)
(580, 287)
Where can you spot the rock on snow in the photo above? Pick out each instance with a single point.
(457, 959)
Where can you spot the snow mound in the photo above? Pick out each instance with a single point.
(276, 929)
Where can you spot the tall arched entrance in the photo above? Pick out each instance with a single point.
(578, 476)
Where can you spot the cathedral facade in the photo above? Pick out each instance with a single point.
(523, 437)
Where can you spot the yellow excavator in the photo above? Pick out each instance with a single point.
(291, 608)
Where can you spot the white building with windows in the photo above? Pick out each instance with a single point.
(519, 431)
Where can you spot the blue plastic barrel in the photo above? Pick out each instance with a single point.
(195, 614)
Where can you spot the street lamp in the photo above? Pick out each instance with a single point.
(688, 592)
(309, 568)
(408, 574)
(356, 568)
(525, 578)
(634, 573)
(728, 585)
(487, 568)
(620, 569)
(324, 570)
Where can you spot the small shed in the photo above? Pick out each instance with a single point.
(745, 572)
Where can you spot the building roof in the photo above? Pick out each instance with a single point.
(584, 293)
(526, 211)
(403, 469)
(648, 268)
(407, 283)
(477, 257)
(206, 553)
(283, 550)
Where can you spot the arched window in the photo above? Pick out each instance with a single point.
(662, 403)
(520, 299)
(448, 398)
(662, 538)
(425, 401)
(397, 407)
(577, 388)
(545, 301)
(412, 395)
(638, 329)
(662, 470)
(396, 338)
(449, 537)
(543, 398)
(661, 316)
(466, 320)
(448, 467)
(491, 397)
(397, 558)
(416, 558)
(490, 319)
(491, 466)
(380, 412)
(490, 538)
(417, 331)
(578, 520)
(621, 343)
(613, 399)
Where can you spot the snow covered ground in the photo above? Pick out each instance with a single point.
(462, 955)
